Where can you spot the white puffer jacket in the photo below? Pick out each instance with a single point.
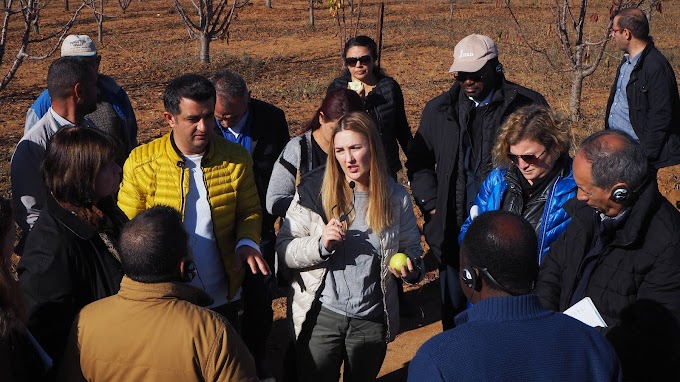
(298, 248)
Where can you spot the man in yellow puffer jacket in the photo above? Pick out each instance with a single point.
(210, 181)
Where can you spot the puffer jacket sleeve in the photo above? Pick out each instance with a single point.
(299, 237)
(132, 196)
(248, 209)
(409, 237)
(485, 200)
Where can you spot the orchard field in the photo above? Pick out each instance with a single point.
(290, 64)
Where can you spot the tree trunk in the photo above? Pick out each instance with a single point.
(100, 30)
(311, 13)
(66, 5)
(268, 3)
(204, 42)
(575, 97)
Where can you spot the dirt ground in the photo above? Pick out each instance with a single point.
(290, 64)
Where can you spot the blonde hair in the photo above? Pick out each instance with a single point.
(537, 123)
(336, 194)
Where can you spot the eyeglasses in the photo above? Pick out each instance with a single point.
(364, 60)
(527, 158)
(474, 77)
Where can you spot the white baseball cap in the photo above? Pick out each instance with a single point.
(78, 45)
(472, 52)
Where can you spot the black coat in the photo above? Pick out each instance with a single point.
(654, 107)
(641, 262)
(270, 129)
(385, 104)
(65, 266)
(434, 168)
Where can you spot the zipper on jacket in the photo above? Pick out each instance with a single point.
(182, 167)
(545, 215)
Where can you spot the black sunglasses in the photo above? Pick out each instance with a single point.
(474, 77)
(352, 61)
(527, 158)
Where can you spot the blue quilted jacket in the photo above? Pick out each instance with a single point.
(554, 219)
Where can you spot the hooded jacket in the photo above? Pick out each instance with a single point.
(298, 247)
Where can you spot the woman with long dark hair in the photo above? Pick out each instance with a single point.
(340, 233)
(308, 150)
(70, 258)
(381, 94)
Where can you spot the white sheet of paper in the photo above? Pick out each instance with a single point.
(586, 312)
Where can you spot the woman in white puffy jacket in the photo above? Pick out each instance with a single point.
(344, 225)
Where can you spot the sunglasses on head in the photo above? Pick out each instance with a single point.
(527, 158)
(352, 61)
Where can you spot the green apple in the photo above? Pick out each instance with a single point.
(398, 260)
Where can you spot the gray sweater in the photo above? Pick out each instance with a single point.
(282, 184)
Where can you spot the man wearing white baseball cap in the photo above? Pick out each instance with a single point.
(114, 113)
(450, 155)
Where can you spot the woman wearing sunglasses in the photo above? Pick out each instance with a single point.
(381, 94)
(533, 175)
(344, 225)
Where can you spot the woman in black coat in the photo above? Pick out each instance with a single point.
(70, 258)
(381, 94)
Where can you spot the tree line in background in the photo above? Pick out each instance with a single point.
(208, 20)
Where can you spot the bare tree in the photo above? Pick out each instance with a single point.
(29, 11)
(213, 21)
(582, 56)
(347, 18)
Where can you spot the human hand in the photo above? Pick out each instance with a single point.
(332, 233)
(405, 271)
(251, 256)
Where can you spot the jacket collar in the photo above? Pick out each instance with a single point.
(135, 290)
(646, 205)
(501, 309)
(176, 155)
(70, 221)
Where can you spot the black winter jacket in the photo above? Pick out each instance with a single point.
(641, 262)
(385, 103)
(270, 129)
(65, 266)
(434, 167)
(654, 107)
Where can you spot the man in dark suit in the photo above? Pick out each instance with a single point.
(262, 129)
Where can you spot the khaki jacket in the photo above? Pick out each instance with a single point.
(156, 174)
(155, 332)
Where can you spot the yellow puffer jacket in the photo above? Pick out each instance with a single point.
(156, 174)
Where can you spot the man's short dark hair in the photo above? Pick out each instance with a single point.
(612, 164)
(505, 244)
(64, 73)
(635, 21)
(74, 158)
(190, 86)
(229, 85)
(153, 244)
